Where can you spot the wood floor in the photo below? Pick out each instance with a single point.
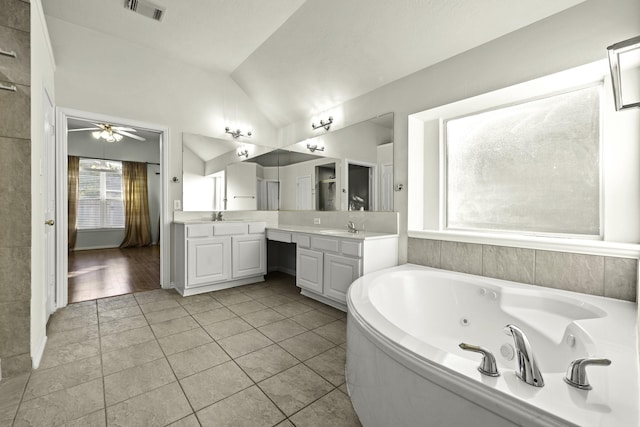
(109, 272)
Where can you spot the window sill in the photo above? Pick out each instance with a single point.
(579, 246)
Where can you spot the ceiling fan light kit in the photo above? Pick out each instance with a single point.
(110, 133)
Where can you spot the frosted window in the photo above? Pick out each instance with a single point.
(532, 167)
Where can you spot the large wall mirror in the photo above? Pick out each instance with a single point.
(347, 169)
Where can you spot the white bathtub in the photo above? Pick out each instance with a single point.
(404, 366)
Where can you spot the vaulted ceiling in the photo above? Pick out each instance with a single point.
(297, 58)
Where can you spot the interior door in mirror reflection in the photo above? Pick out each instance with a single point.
(303, 193)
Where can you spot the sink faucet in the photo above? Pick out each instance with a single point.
(218, 216)
(527, 367)
(351, 227)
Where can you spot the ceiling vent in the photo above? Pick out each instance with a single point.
(145, 8)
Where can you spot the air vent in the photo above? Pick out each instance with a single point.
(145, 8)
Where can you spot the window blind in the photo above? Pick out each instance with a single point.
(100, 203)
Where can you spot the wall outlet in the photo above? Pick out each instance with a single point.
(176, 205)
(316, 221)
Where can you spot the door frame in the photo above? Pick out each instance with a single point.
(62, 264)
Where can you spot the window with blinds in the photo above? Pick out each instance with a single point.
(100, 203)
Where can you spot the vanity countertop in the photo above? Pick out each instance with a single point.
(208, 221)
(335, 232)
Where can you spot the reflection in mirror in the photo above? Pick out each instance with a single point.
(347, 169)
(220, 174)
(350, 169)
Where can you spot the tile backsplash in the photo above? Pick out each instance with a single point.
(596, 275)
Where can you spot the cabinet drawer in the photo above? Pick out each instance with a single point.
(325, 244)
(14, 63)
(200, 230)
(228, 229)
(301, 240)
(279, 236)
(352, 248)
(257, 227)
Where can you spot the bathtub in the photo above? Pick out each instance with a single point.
(404, 366)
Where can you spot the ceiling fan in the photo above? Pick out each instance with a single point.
(110, 133)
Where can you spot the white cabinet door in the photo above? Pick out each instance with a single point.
(309, 269)
(208, 260)
(339, 274)
(249, 255)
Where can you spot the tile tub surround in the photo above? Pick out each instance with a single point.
(596, 275)
(255, 355)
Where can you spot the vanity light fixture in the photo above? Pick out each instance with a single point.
(624, 61)
(243, 152)
(235, 133)
(326, 125)
(314, 147)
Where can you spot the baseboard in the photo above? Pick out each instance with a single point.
(36, 357)
(93, 248)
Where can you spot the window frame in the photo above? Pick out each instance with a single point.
(619, 154)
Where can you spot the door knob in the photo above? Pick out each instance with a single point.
(50, 222)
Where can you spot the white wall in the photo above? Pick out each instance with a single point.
(82, 144)
(241, 186)
(573, 37)
(42, 77)
(108, 75)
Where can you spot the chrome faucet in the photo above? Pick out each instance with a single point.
(577, 373)
(527, 367)
(488, 365)
(218, 216)
(351, 227)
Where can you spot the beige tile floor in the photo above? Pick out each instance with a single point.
(256, 355)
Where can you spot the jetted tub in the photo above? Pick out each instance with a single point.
(404, 366)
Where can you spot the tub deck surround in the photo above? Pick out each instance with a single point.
(409, 320)
(328, 260)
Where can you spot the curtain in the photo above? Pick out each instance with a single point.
(137, 229)
(74, 173)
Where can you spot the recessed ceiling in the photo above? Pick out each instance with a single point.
(298, 58)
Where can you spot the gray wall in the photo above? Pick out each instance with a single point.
(15, 197)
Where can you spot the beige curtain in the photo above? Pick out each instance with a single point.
(74, 173)
(137, 230)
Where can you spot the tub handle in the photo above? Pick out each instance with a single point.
(577, 372)
(488, 365)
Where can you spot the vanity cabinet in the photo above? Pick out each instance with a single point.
(327, 265)
(213, 256)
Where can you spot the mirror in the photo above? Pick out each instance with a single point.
(347, 169)
(624, 61)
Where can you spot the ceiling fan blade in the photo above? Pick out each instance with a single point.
(78, 130)
(130, 135)
(102, 126)
(119, 128)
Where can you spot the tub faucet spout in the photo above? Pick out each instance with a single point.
(527, 367)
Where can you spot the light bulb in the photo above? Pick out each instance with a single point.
(96, 134)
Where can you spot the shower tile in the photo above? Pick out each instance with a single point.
(15, 211)
(14, 328)
(15, 14)
(15, 162)
(15, 280)
(424, 252)
(621, 278)
(515, 264)
(571, 272)
(461, 257)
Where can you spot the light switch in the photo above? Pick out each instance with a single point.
(176, 205)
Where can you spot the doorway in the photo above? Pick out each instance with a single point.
(93, 138)
(360, 186)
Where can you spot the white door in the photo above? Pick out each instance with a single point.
(339, 273)
(208, 260)
(249, 254)
(303, 193)
(309, 270)
(49, 202)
